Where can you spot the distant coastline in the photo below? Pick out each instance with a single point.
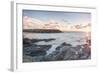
(47, 31)
(42, 30)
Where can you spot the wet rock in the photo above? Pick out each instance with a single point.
(48, 40)
(27, 42)
(37, 53)
(27, 58)
(45, 40)
(83, 51)
(68, 52)
(52, 56)
(83, 56)
(36, 50)
(38, 58)
(87, 48)
(62, 45)
(64, 51)
(66, 44)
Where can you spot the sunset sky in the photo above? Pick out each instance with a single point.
(71, 18)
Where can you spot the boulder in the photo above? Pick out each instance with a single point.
(62, 45)
(27, 42)
(38, 40)
(36, 50)
(37, 53)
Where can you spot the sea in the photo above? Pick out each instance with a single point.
(73, 38)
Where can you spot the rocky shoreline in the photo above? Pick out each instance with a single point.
(33, 52)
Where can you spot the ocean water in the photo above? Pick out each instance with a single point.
(73, 38)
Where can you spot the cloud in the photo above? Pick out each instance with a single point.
(33, 23)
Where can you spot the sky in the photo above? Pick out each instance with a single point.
(71, 18)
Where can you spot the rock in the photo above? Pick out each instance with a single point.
(37, 53)
(38, 58)
(47, 40)
(66, 44)
(38, 40)
(83, 51)
(60, 56)
(69, 53)
(62, 45)
(36, 50)
(84, 56)
(64, 51)
(89, 57)
(52, 56)
(27, 42)
(27, 58)
(87, 48)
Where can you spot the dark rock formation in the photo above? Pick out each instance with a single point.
(37, 53)
(63, 44)
(27, 42)
(65, 51)
(38, 40)
(36, 50)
